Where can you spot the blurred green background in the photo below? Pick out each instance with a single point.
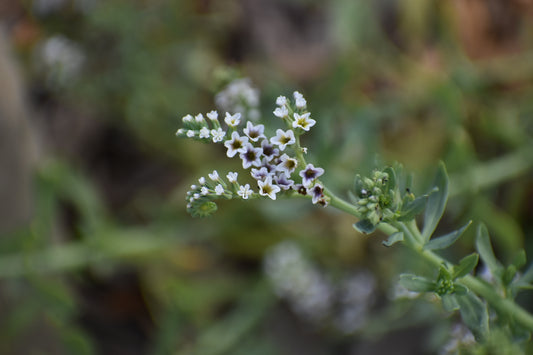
(97, 253)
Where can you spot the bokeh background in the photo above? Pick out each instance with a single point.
(97, 252)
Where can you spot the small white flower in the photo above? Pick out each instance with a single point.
(245, 192)
(281, 111)
(300, 101)
(251, 156)
(233, 120)
(188, 118)
(193, 187)
(304, 150)
(204, 190)
(283, 181)
(180, 131)
(282, 139)
(254, 132)
(236, 144)
(218, 135)
(201, 180)
(190, 133)
(287, 164)
(303, 121)
(205, 133)
(232, 177)
(309, 174)
(219, 190)
(269, 152)
(196, 196)
(266, 188)
(199, 118)
(214, 175)
(281, 101)
(213, 115)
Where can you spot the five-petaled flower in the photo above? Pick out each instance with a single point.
(287, 164)
(254, 132)
(267, 188)
(233, 120)
(236, 144)
(303, 121)
(218, 135)
(251, 156)
(283, 139)
(309, 174)
(232, 177)
(245, 192)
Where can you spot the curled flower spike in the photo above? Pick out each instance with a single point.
(271, 159)
(283, 138)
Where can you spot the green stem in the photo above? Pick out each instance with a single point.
(412, 233)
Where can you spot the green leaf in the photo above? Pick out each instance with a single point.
(484, 249)
(474, 314)
(393, 239)
(446, 240)
(413, 208)
(391, 184)
(466, 265)
(449, 302)
(416, 283)
(365, 226)
(436, 203)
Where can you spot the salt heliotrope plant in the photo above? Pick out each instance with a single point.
(275, 165)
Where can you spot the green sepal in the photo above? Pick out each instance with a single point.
(365, 226)
(474, 314)
(417, 283)
(436, 202)
(393, 239)
(446, 240)
(484, 249)
(413, 208)
(449, 302)
(466, 265)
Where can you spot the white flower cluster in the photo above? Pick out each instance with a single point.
(312, 294)
(276, 163)
(240, 96)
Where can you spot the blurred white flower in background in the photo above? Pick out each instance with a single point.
(240, 96)
(60, 59)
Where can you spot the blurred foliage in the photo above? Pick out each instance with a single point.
(111, 263)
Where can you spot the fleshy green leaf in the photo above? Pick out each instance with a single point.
(467, 264)
(484, 249)
(416, 283)
(393, 239)
(509, 274)
(412, 208)
(446, 240)
(474, 314)
(436, 203)
(450, 303)
(365, 226)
